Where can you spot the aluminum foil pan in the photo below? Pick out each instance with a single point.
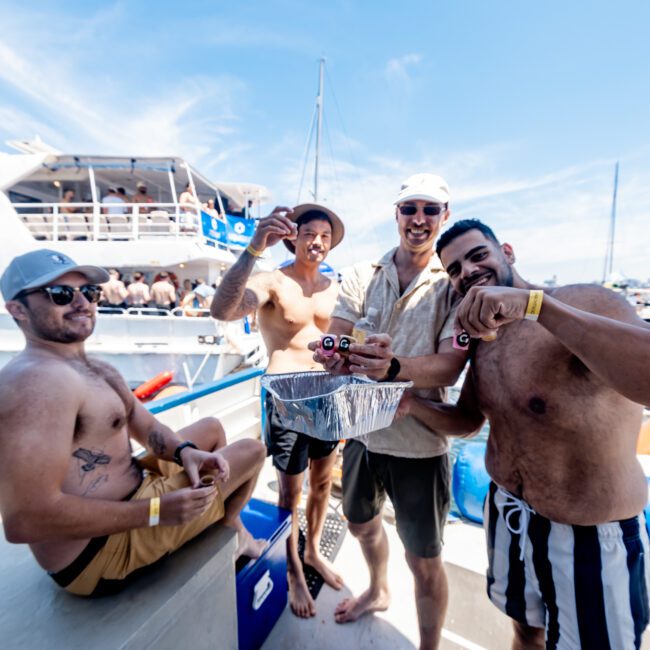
(331, 407)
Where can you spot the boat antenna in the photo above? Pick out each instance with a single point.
(319, 126)
(609, 253)
(316, 124)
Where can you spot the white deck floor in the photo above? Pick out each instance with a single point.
(397, 627)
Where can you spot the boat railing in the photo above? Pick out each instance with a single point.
(177, 312)
(104, 222)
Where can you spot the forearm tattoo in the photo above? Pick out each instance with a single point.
(157, 443)
(233, 299)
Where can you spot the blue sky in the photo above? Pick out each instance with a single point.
(522, 106)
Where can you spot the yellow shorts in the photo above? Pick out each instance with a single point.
(124, 553)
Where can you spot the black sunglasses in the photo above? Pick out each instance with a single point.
(429, 210)
(62, 294)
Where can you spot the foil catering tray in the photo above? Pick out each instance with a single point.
(333, 407)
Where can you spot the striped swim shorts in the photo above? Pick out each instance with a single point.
(586, 585)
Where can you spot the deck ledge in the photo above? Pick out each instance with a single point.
(190, 596)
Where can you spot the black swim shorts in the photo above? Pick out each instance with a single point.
(419, 489)
(291, 450)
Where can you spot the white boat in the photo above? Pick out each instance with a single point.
(187, 240)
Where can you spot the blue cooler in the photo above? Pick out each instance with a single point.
(262, 584)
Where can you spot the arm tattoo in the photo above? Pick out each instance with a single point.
(233, 300)
(157, 443)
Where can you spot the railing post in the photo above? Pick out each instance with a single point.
(135, 215)
(55, 223)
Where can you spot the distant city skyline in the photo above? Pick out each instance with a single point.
(523, 107)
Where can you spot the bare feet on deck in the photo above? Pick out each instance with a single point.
(302, 604)
(325, 568)
(247, 545)
(351, 609)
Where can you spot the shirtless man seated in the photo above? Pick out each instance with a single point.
(69, 485)
(294, 304)
(566, 542)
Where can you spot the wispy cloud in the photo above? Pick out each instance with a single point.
(84, 111)
(397, 69)
(557, 221)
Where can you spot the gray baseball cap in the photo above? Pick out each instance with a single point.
(38, 268)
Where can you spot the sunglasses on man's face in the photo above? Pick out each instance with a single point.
(62, 294)
(429, 210)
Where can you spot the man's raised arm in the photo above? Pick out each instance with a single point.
(614, 344)
(237, 296)
(617, 352)
(440, 369)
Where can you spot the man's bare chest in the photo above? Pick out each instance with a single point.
(527, 376)
(297, 308)
(100, 450)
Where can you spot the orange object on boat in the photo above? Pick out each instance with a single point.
(153, 385)
(643, 443)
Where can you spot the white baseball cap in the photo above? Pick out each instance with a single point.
(424, 187)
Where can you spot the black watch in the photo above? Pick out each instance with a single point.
(393, 370)
(177, 452)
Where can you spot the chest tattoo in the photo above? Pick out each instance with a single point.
(91, 458)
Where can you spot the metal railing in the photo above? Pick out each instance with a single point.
(101, 222)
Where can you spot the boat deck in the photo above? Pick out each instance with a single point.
(472, 622)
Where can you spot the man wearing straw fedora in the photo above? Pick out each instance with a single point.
(294, 304)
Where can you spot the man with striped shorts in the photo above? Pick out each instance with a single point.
(567, 544)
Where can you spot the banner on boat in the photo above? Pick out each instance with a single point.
(234, 232)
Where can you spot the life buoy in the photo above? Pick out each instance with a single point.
(153, 385)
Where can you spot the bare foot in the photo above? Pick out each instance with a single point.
(351, 609)
(325, 568)
(247, 545)
(302, 604)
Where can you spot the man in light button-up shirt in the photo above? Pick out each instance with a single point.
(406, 461)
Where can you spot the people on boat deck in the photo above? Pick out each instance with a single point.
(114, 292)
(68, 197)
(69, 486)
(293, 304)
(141, 197)
(562, 386)
(412, 299)
(163, 292)
(138, 291)
(113, 203)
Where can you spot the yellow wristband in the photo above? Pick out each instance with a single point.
(154, 511)
(535, 298)
(253, 251)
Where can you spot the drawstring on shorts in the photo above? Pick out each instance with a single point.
(503, 499)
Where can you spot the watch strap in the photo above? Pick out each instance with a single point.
(177, 452)
(393, 370)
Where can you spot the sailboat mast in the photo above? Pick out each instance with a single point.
(319, 124)
(609, 256)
